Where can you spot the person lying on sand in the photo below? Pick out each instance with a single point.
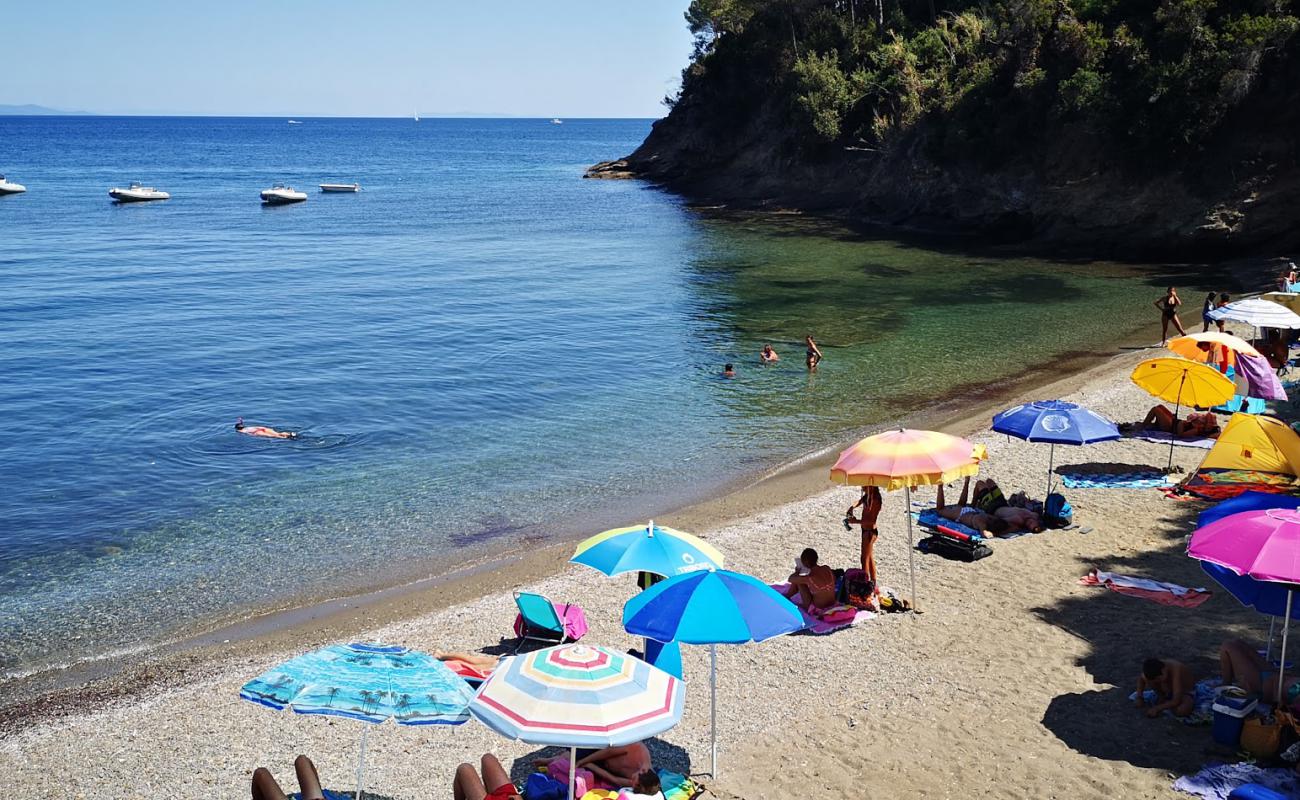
(811, 584)
(1019, 519)
(263, 431)
(616, 766)
(467, 785)
(1173, 684)
(265, 787)
(971, 517)
(1241, 665)
(479, 661)
(1195, 426)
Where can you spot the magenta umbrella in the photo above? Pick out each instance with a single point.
(1264, 545)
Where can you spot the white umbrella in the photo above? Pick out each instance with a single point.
(1259, 313)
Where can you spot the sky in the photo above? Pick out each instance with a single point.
(560, 58)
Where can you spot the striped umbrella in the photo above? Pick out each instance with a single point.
(905, 458)
(647, 548)
(1258, 312)
(368, 682)
(578, 695)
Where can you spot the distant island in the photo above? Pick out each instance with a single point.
(1121, 128)
(30, 110)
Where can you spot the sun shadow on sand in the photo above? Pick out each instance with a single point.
(1106, 468)
(1122, 631)
(663, 755)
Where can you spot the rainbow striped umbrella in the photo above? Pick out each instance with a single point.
(905, 458)
(578, 695)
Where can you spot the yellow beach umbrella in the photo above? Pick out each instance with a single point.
(902, 459)
(1183, 383)
(1188, 346)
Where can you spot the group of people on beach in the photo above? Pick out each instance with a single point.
(1169, 303)
(768, 356)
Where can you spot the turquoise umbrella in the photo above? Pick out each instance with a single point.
(368, 682)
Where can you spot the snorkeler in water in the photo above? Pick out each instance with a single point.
(263, 431)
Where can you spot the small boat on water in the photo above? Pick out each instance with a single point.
(557, 122)
(136, 193)
(8, 187)
(294, 122)
(279, 195)
(340, 187)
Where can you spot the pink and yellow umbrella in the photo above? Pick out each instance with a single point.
(905, 458)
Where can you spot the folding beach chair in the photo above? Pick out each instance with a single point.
(539, 621)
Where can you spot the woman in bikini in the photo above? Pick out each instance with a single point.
(1168, 306)
(816, 587)
(1242, 665)
(870, 503)
(813, 356)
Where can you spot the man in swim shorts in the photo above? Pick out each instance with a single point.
(1173, 684)
(263, 431)
(971, 517)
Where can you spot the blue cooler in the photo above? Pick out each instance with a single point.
(1231, 708)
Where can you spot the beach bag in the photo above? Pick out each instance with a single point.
(1057, 512)
(1261, 738)
(858, 590)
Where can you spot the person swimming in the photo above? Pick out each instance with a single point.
(263, 431)
(728, 371)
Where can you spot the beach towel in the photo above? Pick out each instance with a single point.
(472, 675)
(1118, 480)
(1221, 484)
(1216, 782)
(676, 786)
(1163, 437)
(1166, 594)
(821, 621)
(1244, 405)
(929, 518)
(1202, 711)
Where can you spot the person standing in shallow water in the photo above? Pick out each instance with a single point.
(767, 355)
(814, 355)
(1168, 306)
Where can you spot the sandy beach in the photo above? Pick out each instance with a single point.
(1012, 683)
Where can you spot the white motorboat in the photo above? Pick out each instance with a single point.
(279, 195)
(294, 122)
(135, 193)
(8, 187)
(340, 187)
(557, 122)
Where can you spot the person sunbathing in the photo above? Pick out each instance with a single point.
(971, 517)
(1241, 665)
(479, 661)
(1173, 684)
(811, 584)
(467, 785)
(1195, 426)
(1019, 519)
(647, 788)
(988, 496)
(265, 787)
(616, 766)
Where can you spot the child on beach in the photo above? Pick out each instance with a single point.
(1173, 684)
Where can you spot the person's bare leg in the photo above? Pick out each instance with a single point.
(1178, 323)
(1185, 706)
(1164, 329)
(805, 596)
(265, 787)
(308, 780)
(494, 775)
(1244, 665)
(965, 492)
(467, 785)
(938, 499)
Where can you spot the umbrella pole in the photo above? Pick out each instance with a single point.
(1051, 457)
(573, 770)
(1178, 404)
(1286, 627)
(361, 762)
(911, 556)
(713, 707)
(1268, 648)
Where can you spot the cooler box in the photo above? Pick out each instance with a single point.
(1230, 712)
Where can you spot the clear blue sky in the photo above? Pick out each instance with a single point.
(562, 58)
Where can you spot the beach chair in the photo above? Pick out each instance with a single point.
(541, 621)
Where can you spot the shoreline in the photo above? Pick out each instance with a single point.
(32, 699)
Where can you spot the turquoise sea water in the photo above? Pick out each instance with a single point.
(482, 348)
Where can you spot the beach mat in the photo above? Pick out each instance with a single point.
(1166, 594)
(1217, 781)
(1116, 480)
(1222, 484)
(817, 626)
(1161, 437)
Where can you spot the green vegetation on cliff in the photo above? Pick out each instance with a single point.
(1148, 81)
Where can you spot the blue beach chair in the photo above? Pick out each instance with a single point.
(538, 621)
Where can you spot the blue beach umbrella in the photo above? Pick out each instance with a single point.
(1246, 501)
(646, 548)
(1055, 422)
(717, 607)
(368, 682)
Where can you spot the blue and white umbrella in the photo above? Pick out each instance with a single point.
(1258, 312)
(1055, 422)
(368, 682)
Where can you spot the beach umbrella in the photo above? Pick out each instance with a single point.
(646, 548)
(713, 608)
(903, 459)
(1258, 312)
(1189, 346)
(372, 683)
(1055, 422)
(577, 695)
(1183, 383)
(1263, 545)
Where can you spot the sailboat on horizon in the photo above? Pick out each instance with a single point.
(417, 116)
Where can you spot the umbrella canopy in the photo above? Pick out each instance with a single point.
(1184, 382)
(647, 548)
(1188, 346)
(1246, 501)
(373, 683)
(711, 608)
(906, 458)
(1262, 544)
(1055, 422)
(1258, 312)
(1265, 597)
(368, 682)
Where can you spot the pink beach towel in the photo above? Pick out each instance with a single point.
(573, 617)
(1166, 594)
(821, 621)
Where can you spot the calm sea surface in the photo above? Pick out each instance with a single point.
(481, 347)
